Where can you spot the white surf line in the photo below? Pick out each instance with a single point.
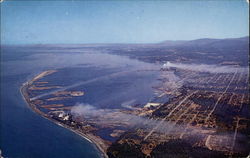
(80, 83)
(159, 124)
(208, 116)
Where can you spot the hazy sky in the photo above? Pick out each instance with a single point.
(31, 22)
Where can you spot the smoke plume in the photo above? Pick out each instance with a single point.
(128, 104)
(117, 117)
(205, 68)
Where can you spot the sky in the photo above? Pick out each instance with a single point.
(125, 21)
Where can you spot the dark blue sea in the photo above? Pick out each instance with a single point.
(25, 134)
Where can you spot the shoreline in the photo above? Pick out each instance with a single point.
(34, 109)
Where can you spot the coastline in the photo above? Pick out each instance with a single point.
(34, 109)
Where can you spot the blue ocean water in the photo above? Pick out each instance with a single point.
(111, 92)
(24, 134)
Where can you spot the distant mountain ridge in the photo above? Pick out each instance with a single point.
(203, 41)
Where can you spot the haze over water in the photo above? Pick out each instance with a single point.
(17, 69)
(44, 23)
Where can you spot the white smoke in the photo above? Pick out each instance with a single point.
(84, 109)
(206, 68)
(117, 117)
(127, 104)
(171, 81)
